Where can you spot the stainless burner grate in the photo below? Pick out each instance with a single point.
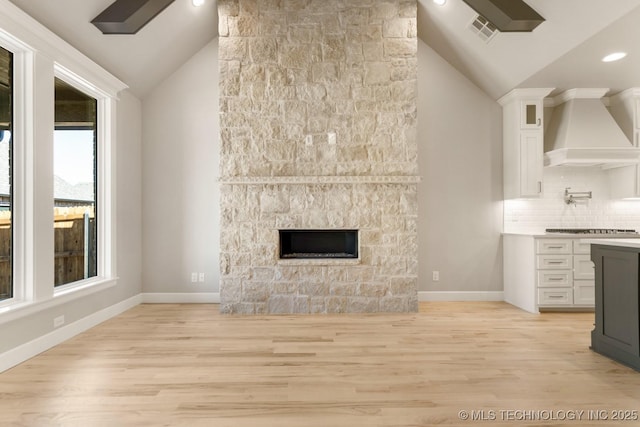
(591, 230)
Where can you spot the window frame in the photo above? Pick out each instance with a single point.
(11, 171)
(21, 192)
(105, 120)
(39, 56)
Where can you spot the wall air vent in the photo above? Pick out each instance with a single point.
(507, 15)
(483, 28)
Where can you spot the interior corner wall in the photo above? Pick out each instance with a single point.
(129, 193)
(180, 191)
(460, 196)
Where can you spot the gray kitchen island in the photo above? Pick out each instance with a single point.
(617, 305)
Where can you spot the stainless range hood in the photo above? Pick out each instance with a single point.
(581, 132)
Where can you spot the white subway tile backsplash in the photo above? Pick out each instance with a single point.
(550, 210)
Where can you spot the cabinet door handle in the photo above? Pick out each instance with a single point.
(555, 279)
(555, 262)
(556, 296)
(539, 121)
(539, 186)
(555, 247)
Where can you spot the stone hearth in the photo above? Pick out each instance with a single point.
(318, 131)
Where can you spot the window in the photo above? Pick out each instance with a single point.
(6, 182)
(75, 184)
(53, 101)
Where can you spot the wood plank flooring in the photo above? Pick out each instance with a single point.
(187, 365)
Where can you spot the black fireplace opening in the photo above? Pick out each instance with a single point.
(318, 244)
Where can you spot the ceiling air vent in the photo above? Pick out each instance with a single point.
(507, 15)
(128, 16)
(483, 28)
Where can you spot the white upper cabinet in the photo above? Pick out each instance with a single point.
(523, 142)
(531, 163)
(531, 114)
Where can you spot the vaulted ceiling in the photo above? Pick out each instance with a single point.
(563, 52)
(140, 60)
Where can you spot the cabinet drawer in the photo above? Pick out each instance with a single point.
(551, 246)
(555, 278)
(581, 248)
(554, 262)
(583, 267)
(555, 296)
(584, 292)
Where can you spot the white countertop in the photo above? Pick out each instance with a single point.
(627, 243)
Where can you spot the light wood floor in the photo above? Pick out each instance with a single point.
(187, 365)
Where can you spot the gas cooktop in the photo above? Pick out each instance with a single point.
(591, 231)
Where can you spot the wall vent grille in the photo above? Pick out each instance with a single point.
(483, 28)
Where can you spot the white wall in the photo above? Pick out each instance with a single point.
(460, 197)
(129, 202)
(180, 196)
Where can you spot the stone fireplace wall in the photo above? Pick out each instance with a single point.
(318, 131)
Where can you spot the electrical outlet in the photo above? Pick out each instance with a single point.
(308, 140)
(331, 137)
(201, 277)
(194, 277)
(436, 276)
(58, 321)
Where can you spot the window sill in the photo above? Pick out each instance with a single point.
(18, 309)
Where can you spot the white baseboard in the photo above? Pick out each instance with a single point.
(19, 354)
(214, 297)
(181, 298)
(460, 296)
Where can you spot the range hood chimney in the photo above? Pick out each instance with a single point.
(582, 132)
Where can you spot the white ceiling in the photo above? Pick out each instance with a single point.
(563, 52)
(141, 60)
(571, 42)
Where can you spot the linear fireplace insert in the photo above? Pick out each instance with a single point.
(318, 244)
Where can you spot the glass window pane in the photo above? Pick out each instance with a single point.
(75, 184)
(6, 182)
(532, 117)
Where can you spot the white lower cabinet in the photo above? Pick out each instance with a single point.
(548, 273)
(584, 275)
(583, 267)
(553, 297)
(573, 277)
(554, 278)
(584, 293)
(545, 261)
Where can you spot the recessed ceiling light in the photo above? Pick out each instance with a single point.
(197, 3)
(440, 2)
(614, 56)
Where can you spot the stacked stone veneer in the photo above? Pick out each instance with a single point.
(292, 73)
